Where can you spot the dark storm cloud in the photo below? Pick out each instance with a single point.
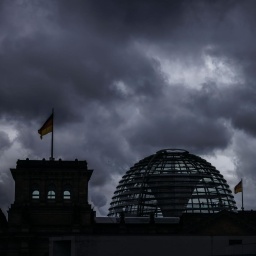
(62, 63)
(126, 18)
(245, 160)
(236, 104)
(6, 191)
(173, 120)
(5, 142)
(244, 148)
(99, 64)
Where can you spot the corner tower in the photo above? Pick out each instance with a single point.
(50, 196)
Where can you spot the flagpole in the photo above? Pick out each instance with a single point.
(242, 195)
(52, 134)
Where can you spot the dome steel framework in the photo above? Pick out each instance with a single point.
(169, 183)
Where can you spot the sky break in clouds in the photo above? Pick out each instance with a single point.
(126, 79)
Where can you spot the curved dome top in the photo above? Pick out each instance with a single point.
(169, 183)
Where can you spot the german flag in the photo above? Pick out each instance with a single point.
(239, 187)
(47, 127)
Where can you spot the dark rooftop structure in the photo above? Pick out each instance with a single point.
(178, 202)
(169, 183)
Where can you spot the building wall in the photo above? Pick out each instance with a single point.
(155, 245)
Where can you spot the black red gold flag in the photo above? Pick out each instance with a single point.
(47, 127)
(239, 187)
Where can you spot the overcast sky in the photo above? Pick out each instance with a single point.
(126, 79)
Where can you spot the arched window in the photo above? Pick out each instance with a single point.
(35, 191)
(51, 194)
(35, 194)
(67, 192)
(66, 195)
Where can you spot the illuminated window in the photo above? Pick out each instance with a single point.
(67, 191)
(51, 194)
(35, 194)
(66, 195)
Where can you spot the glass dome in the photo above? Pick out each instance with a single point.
(169, 183)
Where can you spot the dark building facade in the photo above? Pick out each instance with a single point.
(51, 216)
(51, 197)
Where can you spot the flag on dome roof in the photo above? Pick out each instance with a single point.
(239, 187)
(47, 127)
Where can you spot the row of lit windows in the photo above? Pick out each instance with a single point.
(51, 194)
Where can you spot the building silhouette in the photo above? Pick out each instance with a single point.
(51, 216)
(51, 197)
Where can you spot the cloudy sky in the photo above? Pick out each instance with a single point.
(126, 79)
